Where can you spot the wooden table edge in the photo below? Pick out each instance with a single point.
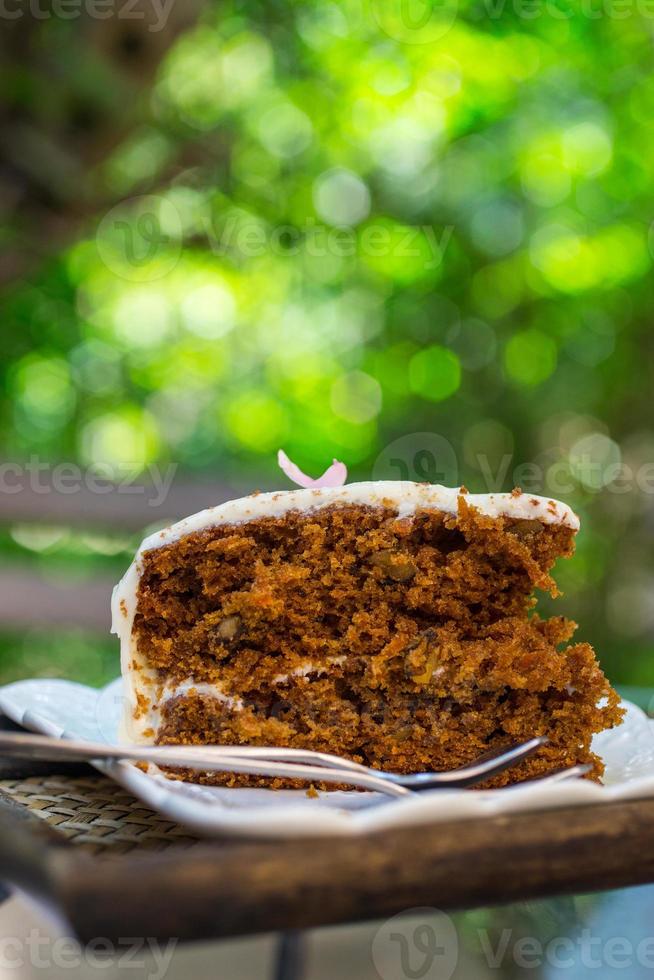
(239, 887)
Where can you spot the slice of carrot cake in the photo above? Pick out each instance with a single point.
(390, 622)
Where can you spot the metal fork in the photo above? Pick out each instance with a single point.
(287, 763)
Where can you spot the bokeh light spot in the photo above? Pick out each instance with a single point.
(587, 148)
(594, 460)
(142, 317)
(285, 130)
(257, 421)
(488, 447)
(340, 197)
(44, 391)
(497, 227)
(474, 343)
(435, 373)
(124, 441)
(530, 357)
(209, 311)
(356, 397)
(403, 146)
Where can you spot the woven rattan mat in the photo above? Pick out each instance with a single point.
(95, 813)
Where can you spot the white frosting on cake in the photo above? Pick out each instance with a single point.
(406, 498)
(308, 668)
(205, 690)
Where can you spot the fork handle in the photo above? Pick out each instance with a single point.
(208, 758)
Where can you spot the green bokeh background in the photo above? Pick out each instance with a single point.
(338, 225)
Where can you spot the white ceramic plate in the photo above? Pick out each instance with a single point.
(64, 709)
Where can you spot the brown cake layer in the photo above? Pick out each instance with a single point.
(403, 644)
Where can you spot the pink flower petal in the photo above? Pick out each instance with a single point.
(292, 471)
(334, 476)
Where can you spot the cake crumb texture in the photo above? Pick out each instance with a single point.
(405, 644)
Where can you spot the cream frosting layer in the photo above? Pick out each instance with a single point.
(405, 497)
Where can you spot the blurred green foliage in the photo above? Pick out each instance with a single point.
(341, 226)
(77, 655)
